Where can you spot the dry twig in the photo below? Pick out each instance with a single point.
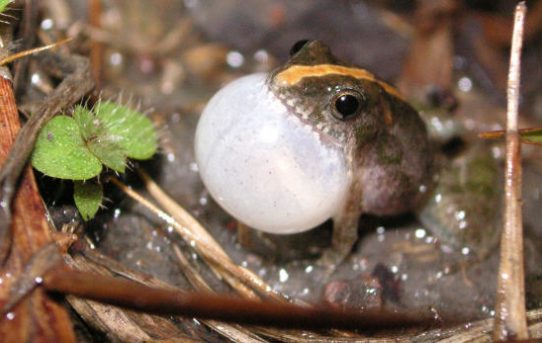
(77, 82)
(510, 316)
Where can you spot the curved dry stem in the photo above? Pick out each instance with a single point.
(197, 237)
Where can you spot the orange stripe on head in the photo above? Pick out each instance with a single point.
(296, 73)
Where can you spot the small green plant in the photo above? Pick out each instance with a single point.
(78, 147)
(4, 4)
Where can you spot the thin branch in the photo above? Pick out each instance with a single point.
(122, 293)
(510, 315)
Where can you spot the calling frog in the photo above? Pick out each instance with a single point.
(318, 138)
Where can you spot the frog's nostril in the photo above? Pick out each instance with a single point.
(297, 46)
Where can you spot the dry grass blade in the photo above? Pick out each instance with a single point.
(193, 232)
(117, 323)
(25, 53)
(77, 82)
(37, 318)
(510, 316)
(234, 333)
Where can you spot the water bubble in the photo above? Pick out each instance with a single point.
(38, 280)
(10, 315)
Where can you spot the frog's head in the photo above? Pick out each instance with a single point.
(282, 151)
(343, 103)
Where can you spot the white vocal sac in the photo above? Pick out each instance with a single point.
(263, 165)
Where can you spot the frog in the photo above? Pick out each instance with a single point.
(316, 138)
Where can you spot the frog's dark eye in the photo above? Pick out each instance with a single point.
(297, 46)
(347, 104)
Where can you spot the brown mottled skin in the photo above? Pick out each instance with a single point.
(385, 144)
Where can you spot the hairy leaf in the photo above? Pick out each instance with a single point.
(61, 152)
(88, 197)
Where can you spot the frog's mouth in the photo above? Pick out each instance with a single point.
(263, 165)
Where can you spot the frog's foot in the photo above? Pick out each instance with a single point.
(345, 235)
(331, 259)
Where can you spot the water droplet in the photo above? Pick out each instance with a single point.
(309, 269)
(47, 24)
(464, 84)
(115, 59)
(35, 79)
(261, 56)
(38, 280)
(194, 167)
(283, 275)
(420, 233)
(235, 59)
(10, 315)
(117, 213)
(459, 215)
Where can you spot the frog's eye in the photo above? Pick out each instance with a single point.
(297, 46)
(347, 104)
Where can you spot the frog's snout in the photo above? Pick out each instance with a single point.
(263, 165)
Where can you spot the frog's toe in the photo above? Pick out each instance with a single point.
(330, 260)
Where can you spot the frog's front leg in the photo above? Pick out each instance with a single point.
(345, 231)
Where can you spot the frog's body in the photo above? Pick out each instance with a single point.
(351, 130)
(385, 144)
